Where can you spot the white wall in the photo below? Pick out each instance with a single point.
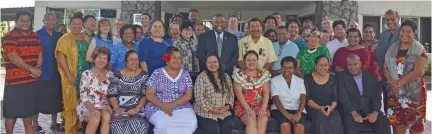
(39, 13)
(246, 14)
(404, 8)
(80, 4)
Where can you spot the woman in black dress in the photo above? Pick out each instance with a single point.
(321, 98)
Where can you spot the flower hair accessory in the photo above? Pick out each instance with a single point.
(166, 57)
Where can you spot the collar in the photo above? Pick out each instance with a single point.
(222, 33)
(357, 76)
(92, 34)
(44, 31)
(261, 39)
(295, 38)
(285, 44)
(18, 31)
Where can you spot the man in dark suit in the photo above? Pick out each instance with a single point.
(360, 96)
(386, 39)
(218, 42)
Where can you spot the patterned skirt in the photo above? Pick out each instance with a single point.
(130, 126)
(402, 112)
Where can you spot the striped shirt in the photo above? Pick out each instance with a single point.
(28, 47)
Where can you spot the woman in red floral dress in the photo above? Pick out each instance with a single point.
(404, 66)
(252, 88)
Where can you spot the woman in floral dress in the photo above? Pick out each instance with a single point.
(127, 97)
(252, 88)
(306, 57)
(93, 104)
(404, 65)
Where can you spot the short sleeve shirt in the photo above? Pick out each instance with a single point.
(288, 95)
(288, 49)
(168, 89)
(27, 46)
(264, 49)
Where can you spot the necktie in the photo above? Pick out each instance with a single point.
(390, 37)
(219, 44)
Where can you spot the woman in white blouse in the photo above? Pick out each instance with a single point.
(289, 98)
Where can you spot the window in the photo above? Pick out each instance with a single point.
(137, 19)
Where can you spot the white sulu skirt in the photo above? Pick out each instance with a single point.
(183, 121)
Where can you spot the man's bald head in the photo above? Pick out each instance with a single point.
(354, 64)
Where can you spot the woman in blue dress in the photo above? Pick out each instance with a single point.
(118, 51)
(102, 39)
(152, 49)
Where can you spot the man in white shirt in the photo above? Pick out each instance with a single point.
(340, 41)
(289, 98)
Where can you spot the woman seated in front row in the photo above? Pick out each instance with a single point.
(252, 89)
(169, 90)
(127, 97)
(289, 98)
(214, 97)
(322, 99)
(93, 105)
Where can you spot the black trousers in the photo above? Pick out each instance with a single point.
(210, 126)
(385, 90)
(381, 125)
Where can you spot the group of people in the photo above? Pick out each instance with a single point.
(192, 79)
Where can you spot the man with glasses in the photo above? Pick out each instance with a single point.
(283, 48)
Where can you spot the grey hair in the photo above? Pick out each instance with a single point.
(48, 14)
(353, 57)
(217, 15)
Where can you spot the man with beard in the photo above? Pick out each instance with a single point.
(219, 42)
(340, 41)
(194, 18)
(257, 42)
(145, 23)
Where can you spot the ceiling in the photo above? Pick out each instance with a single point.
(242, 5)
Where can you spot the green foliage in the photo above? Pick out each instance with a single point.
(428, 66)
(4, 30)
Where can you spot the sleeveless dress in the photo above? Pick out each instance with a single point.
(252, 88)
(402, 111)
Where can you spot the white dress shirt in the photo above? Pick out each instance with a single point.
(334, 45)
(288, 95)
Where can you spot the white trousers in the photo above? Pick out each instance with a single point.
(183, 121)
